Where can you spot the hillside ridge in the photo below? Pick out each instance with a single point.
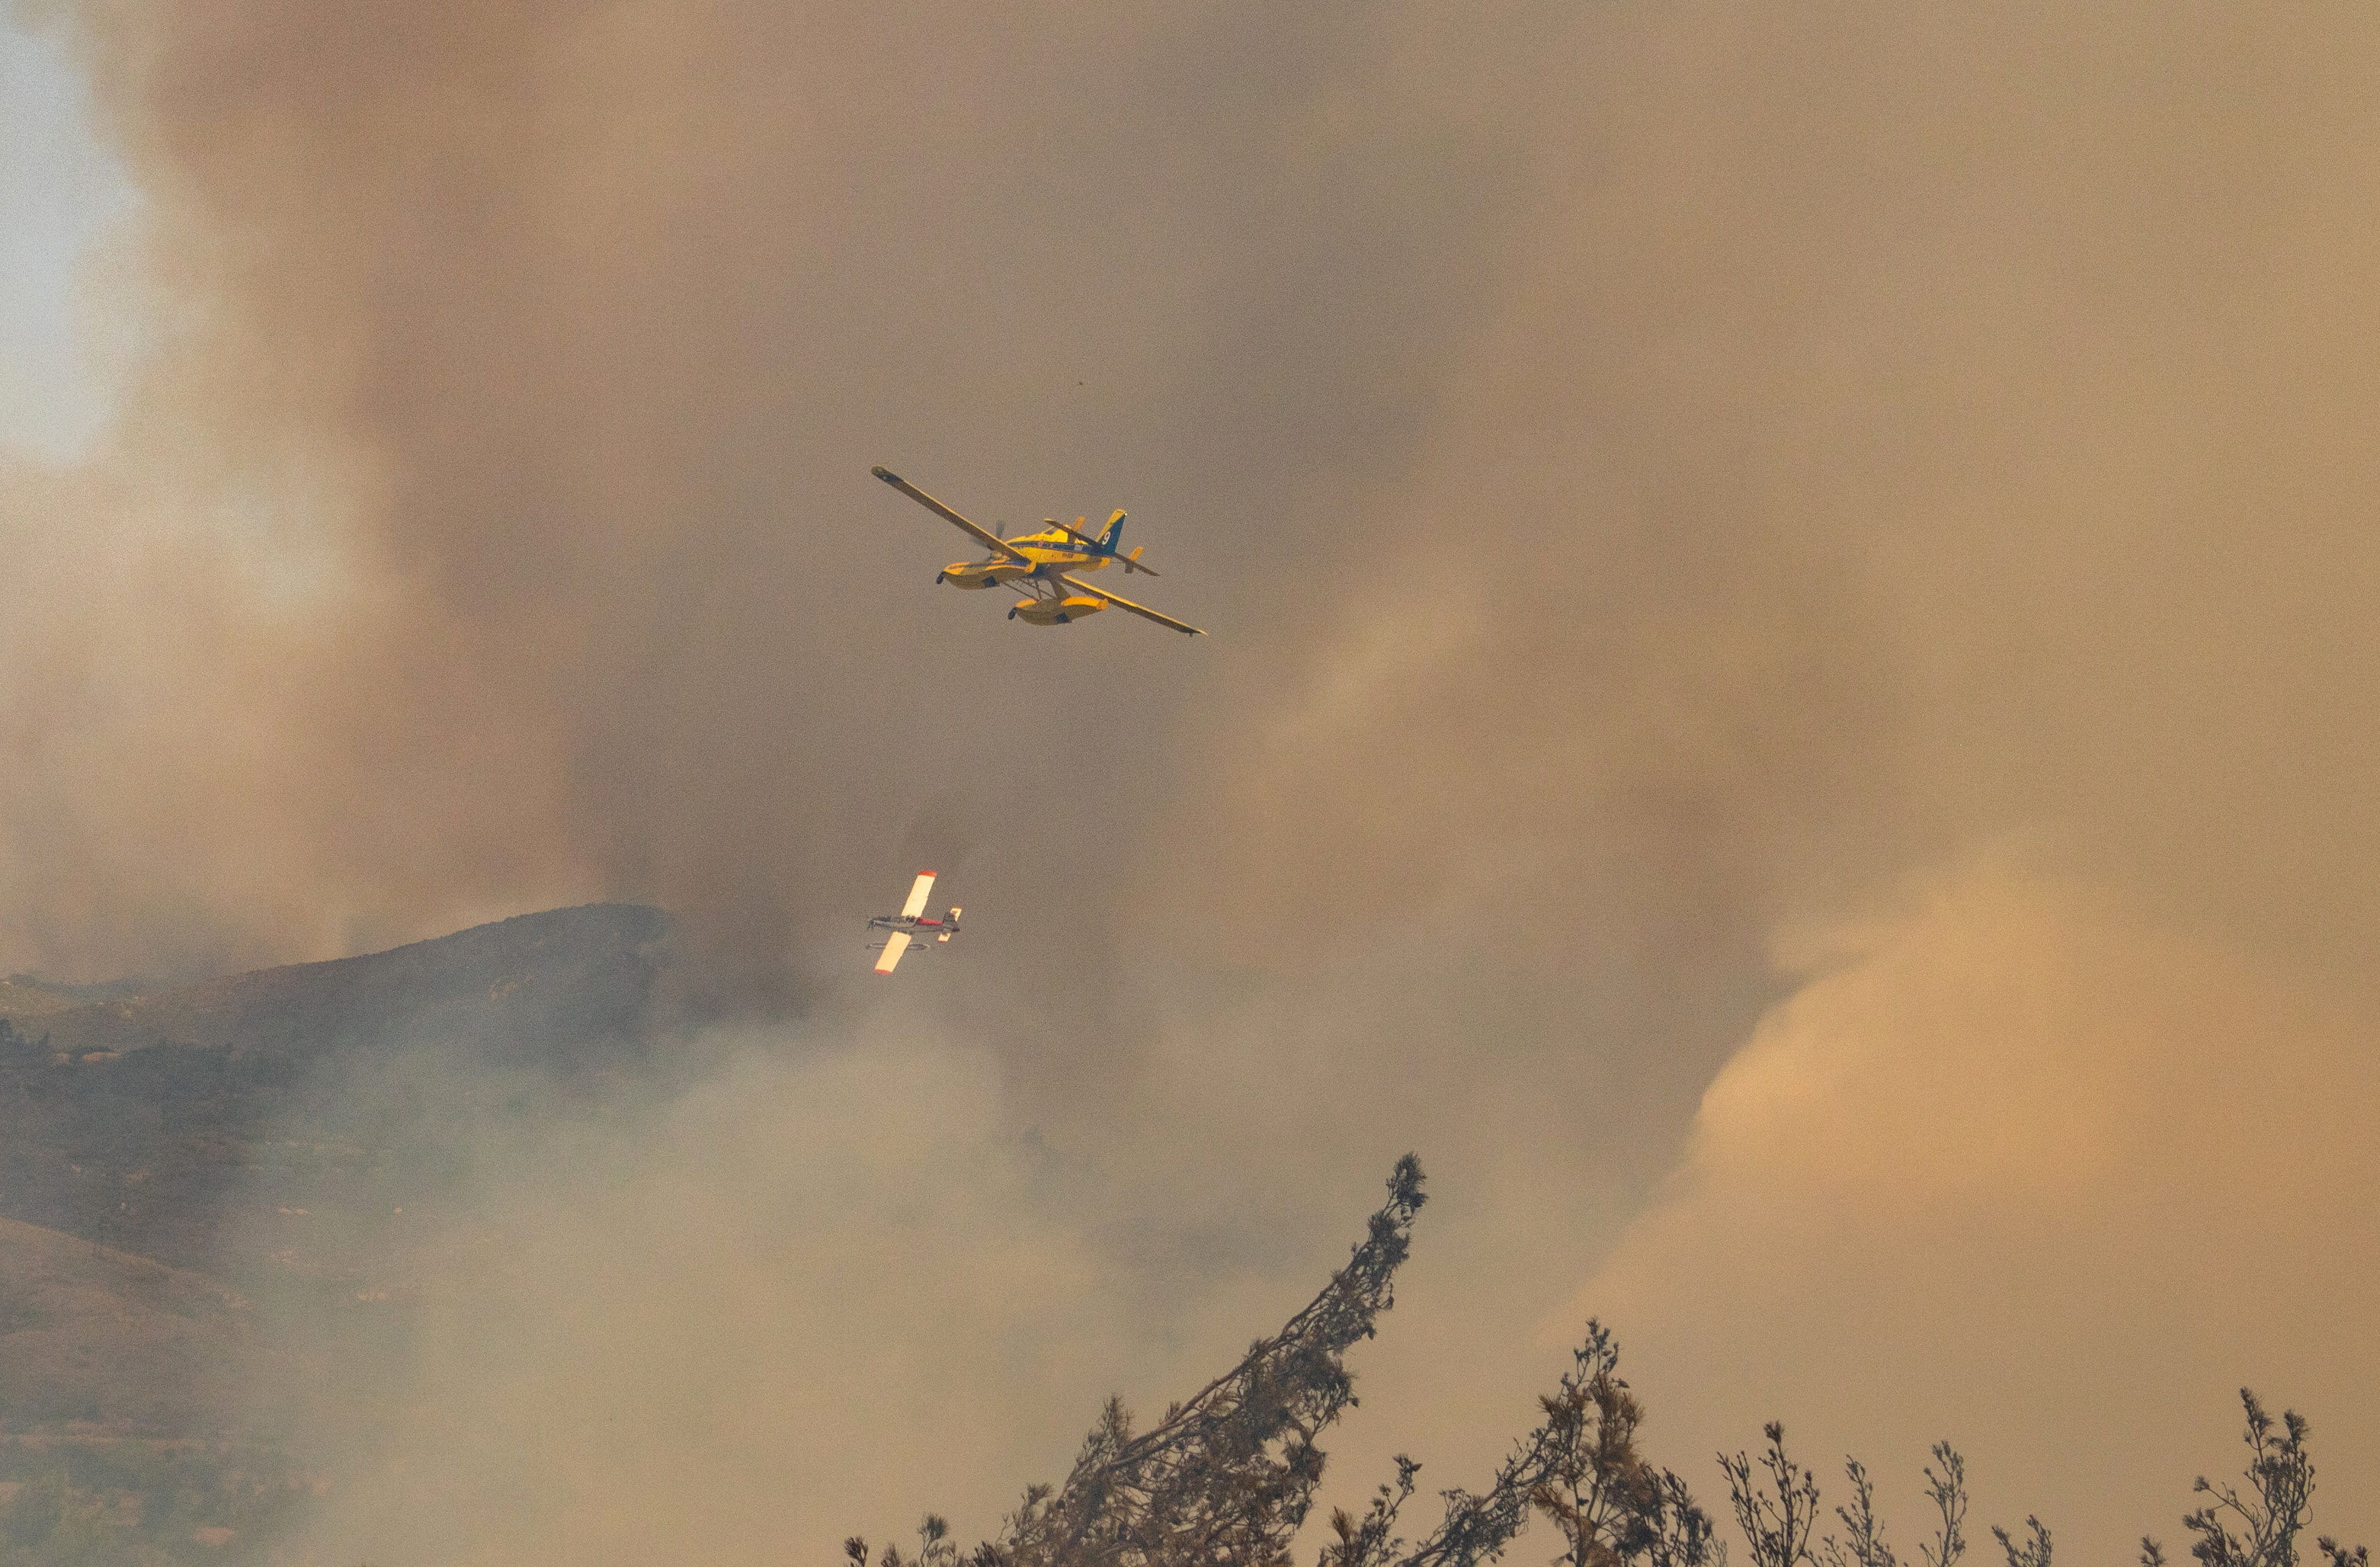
(346, 1000)
(190, 1124)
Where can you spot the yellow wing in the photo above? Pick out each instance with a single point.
(1141, 610)
(988, 536)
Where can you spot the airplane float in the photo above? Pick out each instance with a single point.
(1041, 565)
(911, 924)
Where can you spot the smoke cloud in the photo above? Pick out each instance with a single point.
(1662, 481)
(2026, 1140)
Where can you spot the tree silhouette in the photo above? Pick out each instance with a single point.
(1227, 1477)
(2259, 1527)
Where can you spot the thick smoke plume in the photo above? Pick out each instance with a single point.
(1663, 480)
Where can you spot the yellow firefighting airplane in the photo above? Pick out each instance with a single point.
(1039, 566)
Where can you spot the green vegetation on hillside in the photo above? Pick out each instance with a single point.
(202, 1204)
(185, 1124)
(144, 1504)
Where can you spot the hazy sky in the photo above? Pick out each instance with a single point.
(1789, 704)
(61, 193)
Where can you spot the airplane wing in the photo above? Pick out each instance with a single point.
(1141, 610)
(897, 944)
(987, 536)
(916, 904)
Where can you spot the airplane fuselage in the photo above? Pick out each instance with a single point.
(920, 926)
(1049, 555)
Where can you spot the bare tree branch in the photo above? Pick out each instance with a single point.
(2034, 1552)
(1776, 1528)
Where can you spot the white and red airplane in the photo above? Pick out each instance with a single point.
(912, 924)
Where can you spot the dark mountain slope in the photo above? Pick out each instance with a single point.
(536, 984)
(92, 1335)
(229, 1124)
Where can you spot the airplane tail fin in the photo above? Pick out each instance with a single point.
(1114, 532)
